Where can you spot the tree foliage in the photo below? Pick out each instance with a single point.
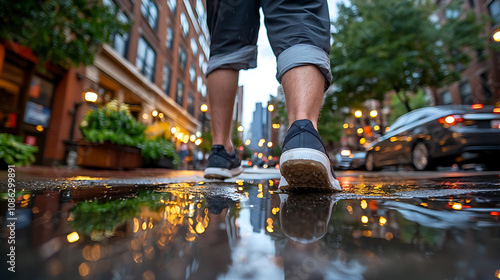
(399, 45)
(64, 32)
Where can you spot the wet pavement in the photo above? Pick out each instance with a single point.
(176, 226)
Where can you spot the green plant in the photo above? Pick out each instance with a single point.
(156, 148)
(14, 152)
(113, 123)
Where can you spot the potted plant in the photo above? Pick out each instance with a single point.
(112, 137)
(159, 152)
(15, 152)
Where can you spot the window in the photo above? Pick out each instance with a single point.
(184, 24)
(192, 73)
(446, 98)
(120, 42)
(179, 93)
(190, 103)
(166, 78)
(150, 12)
(172, 5)
(194, 46)
(494, 8)
(146, 58)
(182, 57)
(199, 83)
(170, 37)
(466, 93)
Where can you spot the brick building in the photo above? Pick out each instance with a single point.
(480, 81)
(157, 67)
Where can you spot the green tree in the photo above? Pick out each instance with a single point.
(64, 32)
(417, 100)
(398, 45)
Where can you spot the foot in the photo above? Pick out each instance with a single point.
(221, 164)
(304, 163)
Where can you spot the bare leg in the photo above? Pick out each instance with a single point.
(221, 86)
(303, 87)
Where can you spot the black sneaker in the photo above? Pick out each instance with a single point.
(304, 163)
(221, 164)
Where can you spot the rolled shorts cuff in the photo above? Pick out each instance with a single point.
(304, 54)
(242, 59)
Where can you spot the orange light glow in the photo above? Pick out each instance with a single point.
(477, 106)
(73, 237)
(496, 110)
(457, 206)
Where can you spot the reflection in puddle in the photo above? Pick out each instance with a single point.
(248, 230)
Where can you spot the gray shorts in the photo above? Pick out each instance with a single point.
(298, 31)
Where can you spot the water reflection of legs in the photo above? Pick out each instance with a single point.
(307, 255)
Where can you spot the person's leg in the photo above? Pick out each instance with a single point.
(300, 38)
(233, 27)
(221, 87)
(303, 87)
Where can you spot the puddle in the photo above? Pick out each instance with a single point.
(249, 230)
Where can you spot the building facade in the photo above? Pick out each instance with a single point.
(480, 81)
(157, 68)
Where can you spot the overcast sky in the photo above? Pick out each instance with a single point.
(260, 83)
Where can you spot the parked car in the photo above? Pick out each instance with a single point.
(347, 159)
(439, 135)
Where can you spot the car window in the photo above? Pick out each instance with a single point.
(399, 122)
(412, 117)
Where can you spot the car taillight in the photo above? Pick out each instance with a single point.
(477, 106)
(496, 110)
(451, 120)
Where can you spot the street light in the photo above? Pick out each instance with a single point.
(373, 113)
(270, 108)
(496, 36)
(204, 108)
(241, 128)
(358, 114)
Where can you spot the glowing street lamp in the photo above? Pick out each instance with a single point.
(373, 113)
(496, 35)
(204, 108)
(358, 114)
(270, 108)
(241, 128)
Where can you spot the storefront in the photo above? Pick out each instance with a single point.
(26, 97)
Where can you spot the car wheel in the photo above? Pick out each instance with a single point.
(420, 157)
(370, 163)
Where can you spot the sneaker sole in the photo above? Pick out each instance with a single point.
(306, 169)
(222, 173)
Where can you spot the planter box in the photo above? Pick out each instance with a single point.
(108, 156)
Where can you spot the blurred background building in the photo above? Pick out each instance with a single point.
(157, 68)
(480, 81)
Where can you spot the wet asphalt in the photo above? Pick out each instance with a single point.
(157, 224)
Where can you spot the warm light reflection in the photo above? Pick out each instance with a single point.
(73, 237)
(363, 204)
(199, 228)
(497, 273)
(457, 206)
(389, 236)
(364, 219)
(349, 209)
(382, 221)
(84, 269)
(275, 210)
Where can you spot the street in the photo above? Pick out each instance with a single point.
(157, 224)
